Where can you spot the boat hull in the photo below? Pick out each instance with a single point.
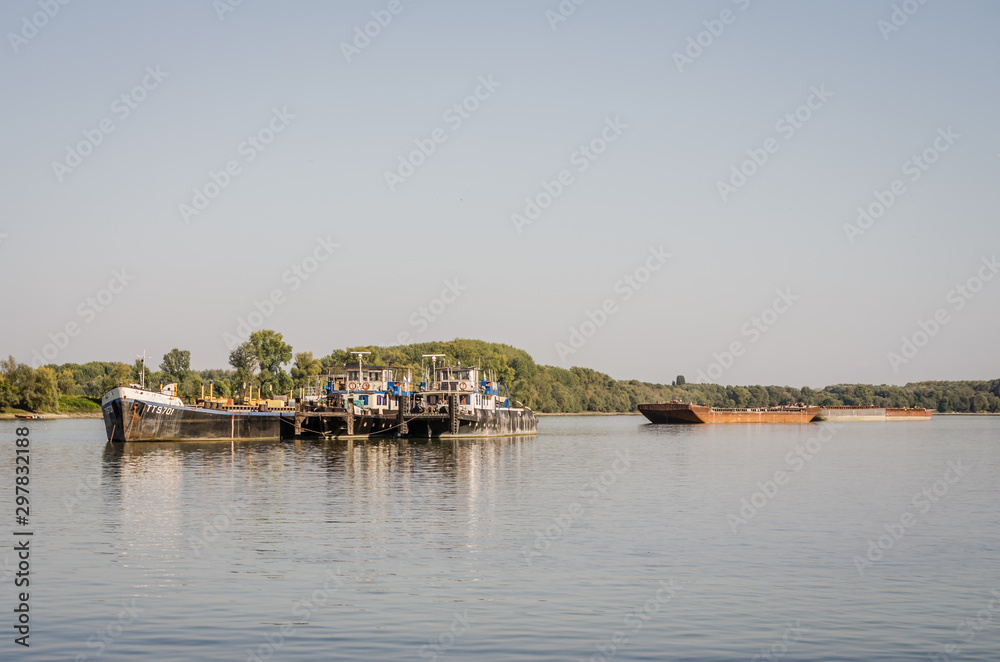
(674, 413)
(138, 420)
(480, 423)
(851, 414)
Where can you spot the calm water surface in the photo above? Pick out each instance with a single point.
(601, 538)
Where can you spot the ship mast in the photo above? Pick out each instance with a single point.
(360, 361)
(142, 375)
(433, 358)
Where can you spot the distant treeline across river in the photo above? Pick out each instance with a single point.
(266, 361)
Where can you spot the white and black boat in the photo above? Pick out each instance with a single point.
(462, 402)
(133, 413)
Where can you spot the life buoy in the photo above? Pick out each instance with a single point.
(437, 386)
(365, 386)
(463, 386)
(352, 386)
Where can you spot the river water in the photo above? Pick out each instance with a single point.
(603, 538)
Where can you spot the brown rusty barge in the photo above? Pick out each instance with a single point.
(849, 413)
(681, 412)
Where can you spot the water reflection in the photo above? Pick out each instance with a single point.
(254, 495)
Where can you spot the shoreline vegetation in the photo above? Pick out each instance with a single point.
(266, 361)
(51, 416)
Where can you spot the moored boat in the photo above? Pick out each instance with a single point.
(134, 413)
(848, 413)
(362, 401)
(464, 402)
(682, 412)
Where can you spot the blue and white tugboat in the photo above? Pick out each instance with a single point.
(464, 402)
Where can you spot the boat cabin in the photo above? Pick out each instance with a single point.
(470, 386)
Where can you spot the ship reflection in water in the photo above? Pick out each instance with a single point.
(245, 492)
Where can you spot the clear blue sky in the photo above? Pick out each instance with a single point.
(335, 121)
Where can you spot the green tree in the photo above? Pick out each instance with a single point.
(34, 390)
(863, 395)
(244, 360)
(177, 364)
(680, 380)
(118, 373)
(272, 352)
(9, 396)
(306, 369)
(67, 384)
(46, 389)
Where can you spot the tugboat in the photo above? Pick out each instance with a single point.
(362, 401)
(463, 402)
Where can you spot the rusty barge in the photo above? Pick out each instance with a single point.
(682, 412)
(849, 413)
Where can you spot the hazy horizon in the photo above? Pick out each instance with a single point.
(636, 188)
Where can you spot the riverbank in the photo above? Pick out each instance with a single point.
(966, 413)
(588, 413)
(48, 416)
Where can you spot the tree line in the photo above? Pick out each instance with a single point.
(267, 362)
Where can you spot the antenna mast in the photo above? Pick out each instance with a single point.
(360, 360)
(142, 375)
(433, 358)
